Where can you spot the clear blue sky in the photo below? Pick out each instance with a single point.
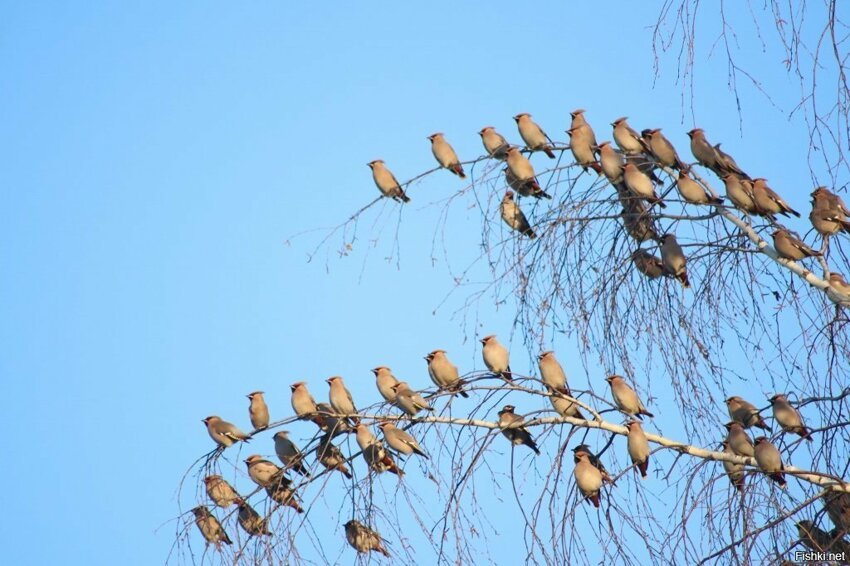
(154, 160)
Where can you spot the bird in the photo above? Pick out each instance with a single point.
(588, 478)
(703, 152)
(577, 120)
(524, 188)
(496, 357)
(511, 425)
(638, 447)
(837, 506)
(289, 454)
(522, 170)
(593, 459)
(552, 373)
(219, 491)
(385, 381)
(386, 181)
(693, 192)
(661, 148)
(611, 162)
(495, 144)
(251, 521)
(408, 400)
(734, 471)
(739, 191)
(445, 154)
(281, 491)
(258, 410)
(726, 164)
(261, 471)
(376, 456)
(514, 217)
(838, 290)
(745, 413)
(625, 397)
(224, 434)
(331, 457)
(583, 146)
(304, 405)
(210, 528)
(829, 213)
(768, 201)
(400, 441)
(535, 138)
(627, 139)
(363, 539)
(340, 399)
(444, 373)
(821, 541)
(332, 423)
(637, 221)
(562, 405)
(738, 439)
(769, 460)
(788, 417)
(640, 185)
(789, 246)
(673, 260)
(648, 264)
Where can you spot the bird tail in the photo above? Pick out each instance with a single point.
(683, 279)
(530, 233)
(594, 499)
(762, 425)
(845, 225)
(779, 478)
(643, 467)
(457, 169)
(383, 551)
(346, 472)
(645, 412)
(595, 166)
(806, 433)
(548, 151)
(403, 196)
(507, 374)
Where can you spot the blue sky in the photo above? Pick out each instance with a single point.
(156, 160)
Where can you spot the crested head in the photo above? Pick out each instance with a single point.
(777, 397)
(545, 354)
(297, 384)
(255, 394)
(212, 478)
(695, 132)
(619, 121)
(281, 434)
(507, 409)
(759, 439)
(253, 458)
(612, 378)
(485, 129)
(333, 378)
(577, 112)
(435, 135)
(733, 399)
(487, 339)
(522, 115)
(211, 419)
(375, 162)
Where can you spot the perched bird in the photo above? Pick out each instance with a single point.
(224, 433)
(838, 290)
(340, 399)
(611, 161)
(745, 413)
(258, 410)
(638, 222)
(625, 397)
(821, 541)
(627, 139)
(593, 459)
(579, 121)
(514, 217)
(703, 152)
(251, 521)
(552, 372)
(829, 213)
(588, 478)
(768, 201)
(400, 441)
(661, 148)
(444, 373)
(363, 539)
(563, 406)
(333, 424)
(289, 454)
(788, 417)
(330, 456)
(219, 491)
(739, 191)
(520, 168)
(511, 425)
(646, 166)
(693, 192)
(445, 155)
(769, 460)
(376, 456)
(534, 137)
(496, 357)
(673, 260)
(524, 188)
(726, 164)
(837, 505)
(210, 528)
(261, 471)
(386, 181)
(495, 144)
(304, 405)
(648, 264)
(281, 492)
(408, 400)
(385, 381)
(789, 246)
(734, 471)
(738, 440)
(640, 185)
(638, 447)
(583, 146)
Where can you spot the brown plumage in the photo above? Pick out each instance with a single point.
(511, 425)
(386, 181)
(251, 521)
(638, 447)
(527, 188)
(593, 459)
(514, 217)
(662, 149)
(445, 154)
(494, 143)
(330, 456)
(744, 412)
(693, 192)
(626, 398)
(648, 264)
(258, 410)
(363, 539)
(583, 146)
(788, 417)
(769, 460)
(588, 478)
(210, 528)
(534, 137)
(673, 260)
(739, 191)
(640, 184)
(626, 138)
(789, 246)
(768, 201)
(829, 213)
(224, 434)
(734, 471)
(219, 491)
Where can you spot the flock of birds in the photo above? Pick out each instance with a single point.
(632, 172)
(339, 415)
